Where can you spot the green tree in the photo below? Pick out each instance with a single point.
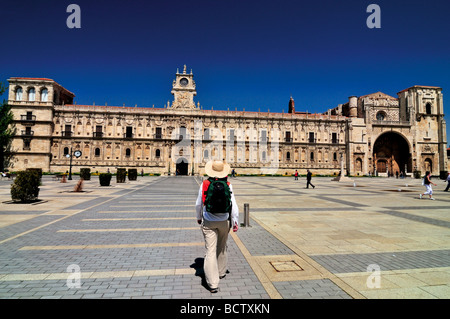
(7, 131)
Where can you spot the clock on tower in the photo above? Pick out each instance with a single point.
(183, 90)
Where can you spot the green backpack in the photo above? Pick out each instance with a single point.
(217, 196)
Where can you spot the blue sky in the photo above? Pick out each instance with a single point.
(244, 54)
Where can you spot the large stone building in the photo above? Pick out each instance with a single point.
(375, 133)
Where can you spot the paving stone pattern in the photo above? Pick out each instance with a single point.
(162, 199)
(310, 289)
(151, 227)
(347, 263)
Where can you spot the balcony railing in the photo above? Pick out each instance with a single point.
(128, 135)
(28, 118)
(391, 123)
(27, 133)
(288, 139)
(97, 134)
(66, 133)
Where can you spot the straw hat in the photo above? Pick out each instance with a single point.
(217, 169)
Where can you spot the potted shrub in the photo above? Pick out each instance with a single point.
(85, 173)
(132, 174)
(121, 175)
(105, 179)
(26, 186)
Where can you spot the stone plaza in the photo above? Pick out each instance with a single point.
(369, 238)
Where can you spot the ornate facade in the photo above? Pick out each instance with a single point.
(375, 133)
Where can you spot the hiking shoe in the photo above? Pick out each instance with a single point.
(420, 196)
(214, 290)
(431, 198)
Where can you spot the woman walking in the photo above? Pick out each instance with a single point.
(427, 183)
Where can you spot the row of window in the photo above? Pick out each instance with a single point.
(129, 134)
(311, 156)
(127, 152)
(31, 94)
(205, 154)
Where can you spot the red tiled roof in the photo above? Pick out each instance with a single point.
(36, 79)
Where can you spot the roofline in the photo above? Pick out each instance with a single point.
(420, 86)
(41, 79)
(313, 115)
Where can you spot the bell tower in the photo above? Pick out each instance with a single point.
(183, 90)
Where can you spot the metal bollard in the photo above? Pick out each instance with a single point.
(246, 215)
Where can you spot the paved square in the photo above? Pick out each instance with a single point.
(140, 239)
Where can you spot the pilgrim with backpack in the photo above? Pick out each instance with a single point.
(217, 212)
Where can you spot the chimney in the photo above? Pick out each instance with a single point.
(291, 105)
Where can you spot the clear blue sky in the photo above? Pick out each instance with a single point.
(244, 54)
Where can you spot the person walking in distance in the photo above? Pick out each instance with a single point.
(216, 211)
(308, 179)
(296, 175)
(427, 183)
(448, 182)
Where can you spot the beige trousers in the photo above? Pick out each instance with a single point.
(215, 264)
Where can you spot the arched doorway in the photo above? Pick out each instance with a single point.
(428, 165)
(182, 167)
(358, 165)
(391, 154)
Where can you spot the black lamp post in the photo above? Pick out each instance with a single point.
(70, 164)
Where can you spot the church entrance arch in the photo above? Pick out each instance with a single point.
(428, 165)
(182, 166)
(391, 154)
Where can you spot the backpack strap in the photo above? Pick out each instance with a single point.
(205, 186)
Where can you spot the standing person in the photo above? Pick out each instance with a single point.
(296, 175)
(427, 183)
(308, 179)
(216, 207)
(448, 182)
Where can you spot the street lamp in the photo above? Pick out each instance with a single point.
(70, 155)
(70, 164)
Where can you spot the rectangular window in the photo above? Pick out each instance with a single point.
(311, 138)
(129, 132)
(334, 139)
(206, 134)
(288, 137)
(26, 144)
(183, 133)
(158, 133)
(263, 136)
(67, 130)
(98, 131)
(231, 135)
